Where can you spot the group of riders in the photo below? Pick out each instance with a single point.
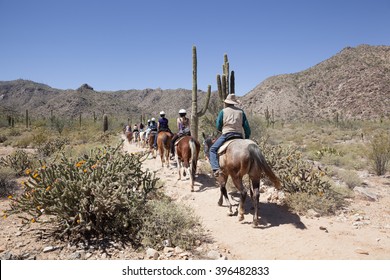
(231, 122)
(153, 127)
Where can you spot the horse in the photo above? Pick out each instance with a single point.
(186, 155)
(129, 136)
(164, 146)
(243, 157)
(136, 137)
(151, 143)
(142, 140)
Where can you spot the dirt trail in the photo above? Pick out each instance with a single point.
(361, 232)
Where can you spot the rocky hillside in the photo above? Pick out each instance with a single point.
(41, 99)
(355, 83)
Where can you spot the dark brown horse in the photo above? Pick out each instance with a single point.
(243, 157)
(129, 136)
(186, 155)
(151, 143)
(164, 146)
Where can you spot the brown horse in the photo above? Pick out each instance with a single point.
(129, 136)
(151, 143)
(164, 146)
(243, 157)
(186, 155)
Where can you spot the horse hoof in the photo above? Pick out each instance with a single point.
(255, 224)
(241, 218)
(219, 203)
(230, 214)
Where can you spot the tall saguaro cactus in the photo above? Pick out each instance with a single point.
(105, 123)
(27, 118)
(226, 83)
(195, 115)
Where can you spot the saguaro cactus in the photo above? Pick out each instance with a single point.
(226, 83)
(195, 114)
(26, 118)
(105, 123)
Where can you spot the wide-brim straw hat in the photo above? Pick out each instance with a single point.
(231, 99)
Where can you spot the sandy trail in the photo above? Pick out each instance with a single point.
(361, 232)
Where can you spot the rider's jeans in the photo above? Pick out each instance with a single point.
(217, 144)
(213, 151)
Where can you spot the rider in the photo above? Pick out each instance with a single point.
(152, 126)
(162, 125)
(183, 125)
(232, 122)
(135, 128)
(127, 128)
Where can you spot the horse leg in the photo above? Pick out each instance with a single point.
(179, 167)
(255, 200)
(167, 149)
(237, 181)
(161, 151)
(222, 185)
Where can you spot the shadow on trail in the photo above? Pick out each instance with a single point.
(270, 214)
(206, 183)
(273, 215)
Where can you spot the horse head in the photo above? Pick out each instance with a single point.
(208, 141)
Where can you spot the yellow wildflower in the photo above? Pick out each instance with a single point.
(39, 207)
(4, 216)
(33, 220)
(35, 175)
(80, 163)
(43, 167)
(28, 171)
(78, 221)
(48, 188)
(85, 170)
(10, 196)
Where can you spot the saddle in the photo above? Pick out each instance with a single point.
(179, 139)
(224, 146)
(228, 141)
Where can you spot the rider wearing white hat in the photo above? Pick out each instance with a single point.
(183, 126)
(162, 125)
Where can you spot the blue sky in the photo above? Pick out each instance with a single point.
(118, 44)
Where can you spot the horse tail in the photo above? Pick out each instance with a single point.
(194, 155)
(259, 159)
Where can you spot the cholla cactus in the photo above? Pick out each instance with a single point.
(18, 161)
(296, 174)
(102, 193)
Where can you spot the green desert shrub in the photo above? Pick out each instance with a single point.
(350, 178)
(169, 223)
(379, 152)
(3, 138)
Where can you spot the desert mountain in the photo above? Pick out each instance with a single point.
(355, 83)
